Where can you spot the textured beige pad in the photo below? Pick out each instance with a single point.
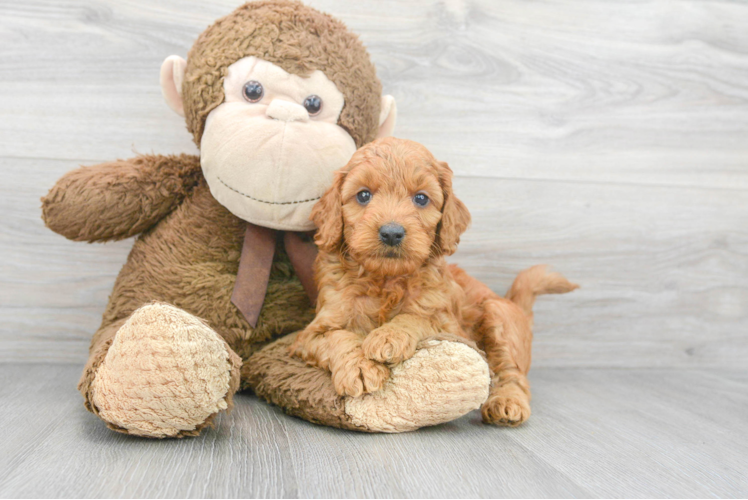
(165, 374)
(441, 382)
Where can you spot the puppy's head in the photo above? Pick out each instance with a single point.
(391, 208)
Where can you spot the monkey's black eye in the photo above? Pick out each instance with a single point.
(363, 197)
(253, 91)
(421, 199)
(313, 104)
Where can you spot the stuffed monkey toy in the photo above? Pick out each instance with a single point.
(277, 96)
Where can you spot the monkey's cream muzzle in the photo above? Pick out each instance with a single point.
(287, 111)
(269, 161)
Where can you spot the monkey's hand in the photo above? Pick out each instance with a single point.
(119, 199)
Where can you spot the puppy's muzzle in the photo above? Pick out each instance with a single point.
(392, 234)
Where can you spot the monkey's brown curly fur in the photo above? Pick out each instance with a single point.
(189, 248)
(187, 256)
(296, 38)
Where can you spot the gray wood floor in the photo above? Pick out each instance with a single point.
(594, 432)
(607, 138)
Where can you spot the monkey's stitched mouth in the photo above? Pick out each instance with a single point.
(266, 201)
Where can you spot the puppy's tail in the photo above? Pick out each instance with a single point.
(536, 281)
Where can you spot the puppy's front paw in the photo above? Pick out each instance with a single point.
(389, 345)
(296, 350)
(300, 346)
(509, 406)
(358, 376)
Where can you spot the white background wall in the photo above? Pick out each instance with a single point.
(608, 139)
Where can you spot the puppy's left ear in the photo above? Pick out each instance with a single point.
(327, 215)
(455, 215)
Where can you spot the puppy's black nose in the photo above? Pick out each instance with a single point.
(392, 234)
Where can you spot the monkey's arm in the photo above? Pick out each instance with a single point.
(119, 199)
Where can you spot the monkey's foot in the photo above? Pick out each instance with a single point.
(166, 374)
(445, 379)
(507, 405)
(442, 381)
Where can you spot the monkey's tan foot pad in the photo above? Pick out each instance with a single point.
(167, 374)
(445, 379)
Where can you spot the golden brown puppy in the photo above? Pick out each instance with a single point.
(384, 228)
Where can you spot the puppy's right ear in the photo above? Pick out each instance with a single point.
(327, 215)
(455, 215)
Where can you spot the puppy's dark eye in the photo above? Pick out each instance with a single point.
(313, 104)
(421, 200)
(253, 91)
(363, 197)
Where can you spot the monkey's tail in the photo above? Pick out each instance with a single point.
(536, 281)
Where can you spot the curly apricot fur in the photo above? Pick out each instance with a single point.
(377, 302)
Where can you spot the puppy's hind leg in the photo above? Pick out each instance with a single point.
(507, 335)
(507, 339)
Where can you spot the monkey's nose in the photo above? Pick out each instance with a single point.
(392, 234)
(286, 111)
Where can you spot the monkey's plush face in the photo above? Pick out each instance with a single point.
(269, 150)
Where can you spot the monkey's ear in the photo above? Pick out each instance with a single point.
(387, 116)
(327, 215)
(172, 76)
(455, 215)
